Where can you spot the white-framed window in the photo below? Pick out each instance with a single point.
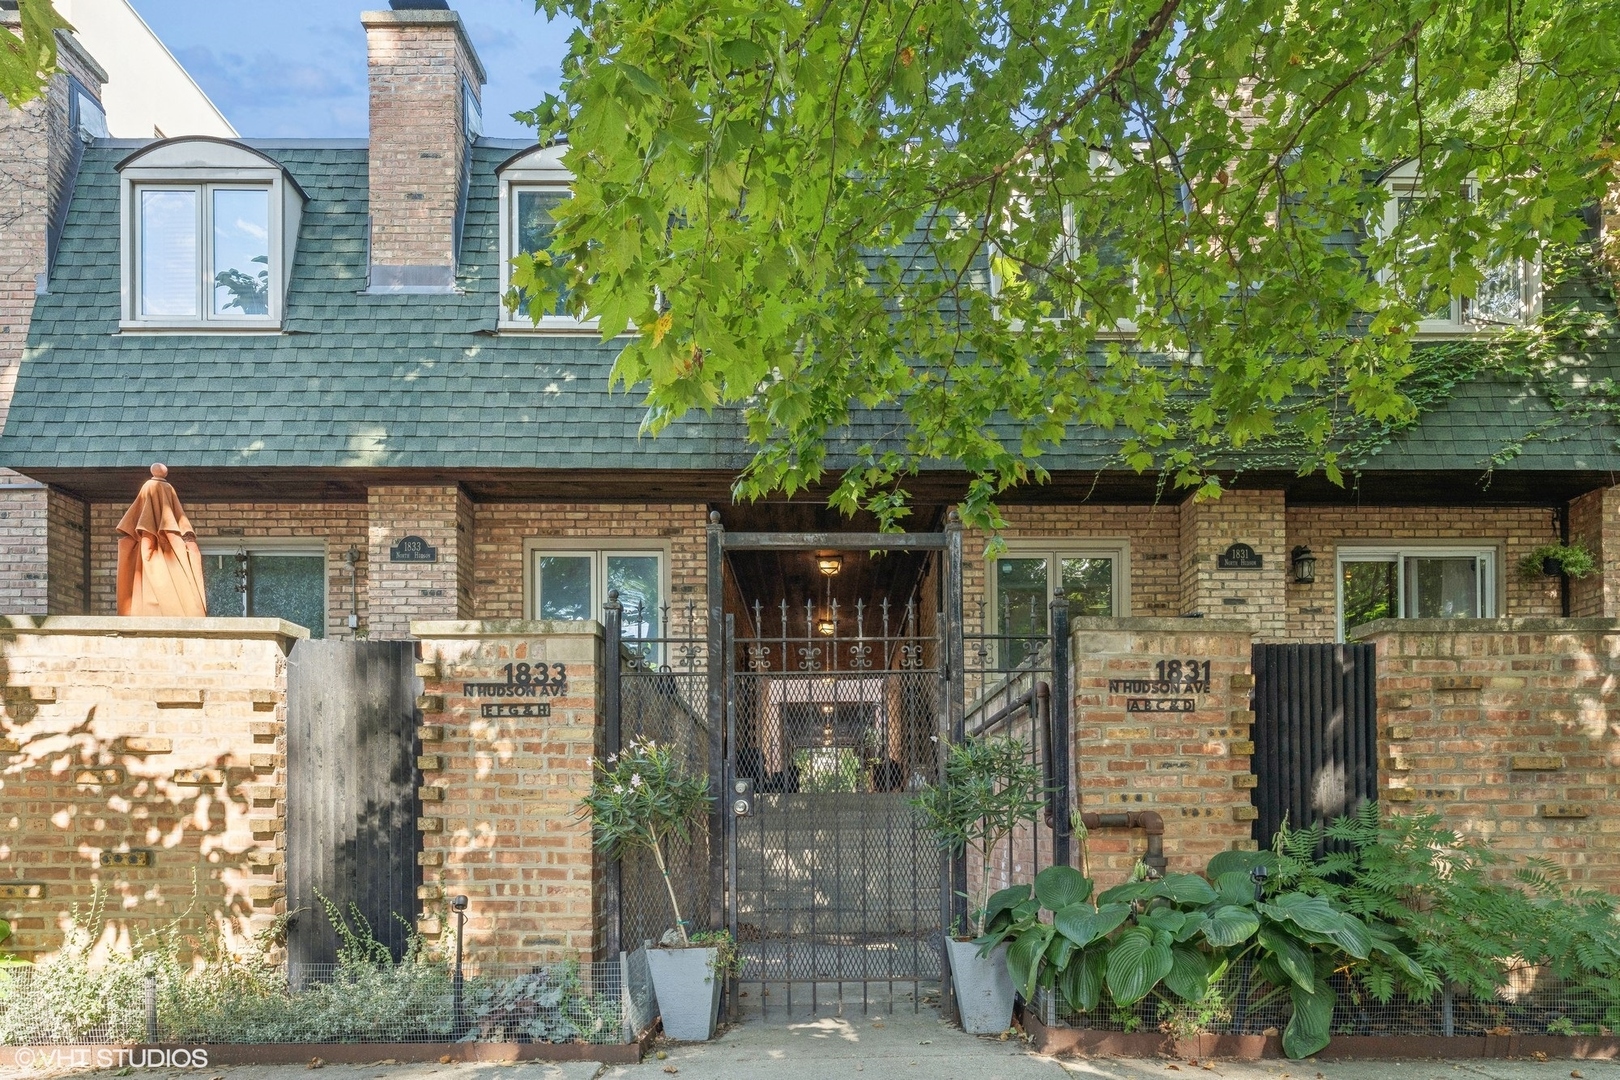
(267, 580)
(209, 231)
(1093, 577)
(531, 187)
(1415, 582)
(571, 580)
(1508, 295)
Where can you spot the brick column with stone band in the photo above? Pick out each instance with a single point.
(1507, 728)
(1162, 722)
(510, 730)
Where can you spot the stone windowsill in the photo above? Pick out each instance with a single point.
(132, 626)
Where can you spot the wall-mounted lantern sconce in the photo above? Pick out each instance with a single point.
(826, 627)
(1304, 565)
(829, 564)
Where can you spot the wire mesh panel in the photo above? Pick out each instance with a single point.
(835, 885)
(663, 688)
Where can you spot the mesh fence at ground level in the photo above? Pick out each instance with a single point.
(1530, 1004)
(126, 1001)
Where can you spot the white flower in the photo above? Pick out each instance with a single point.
(635, 780)
(618, 789)
(612, 758)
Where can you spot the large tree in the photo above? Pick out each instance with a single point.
(973, 227)
(28, 58)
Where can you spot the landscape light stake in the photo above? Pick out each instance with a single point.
(458, 904)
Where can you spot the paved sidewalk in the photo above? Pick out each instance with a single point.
(887, 1048)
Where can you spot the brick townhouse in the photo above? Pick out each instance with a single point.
(310, 334)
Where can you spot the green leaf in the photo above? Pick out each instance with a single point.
(1189, 973)
(1081, 925)
(1129, 892)
(1024, 957)
(1186, 889)
(1239, 862)
(1318, 915)
(1162, 920)
(1136, 963)
(1311, 1026)
(1059, 886)
(1005, 900)
(1293, 957)
(1230, 925)
(1082, 981)
(5, 930)
(1235, 887)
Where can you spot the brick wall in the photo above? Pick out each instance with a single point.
(1191, 767)
(441, 515)
(1510, 729)
(1149, 532)
(155, 736)
(339, 526)
(68, 526)
(418, 61)
(1594, 520)
(500, 794)
(1208, 528)
(38, 155)
(500, 530)
(1514, 530)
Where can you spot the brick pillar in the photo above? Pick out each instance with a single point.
(1594, 520)
(1208, 529)
(397, 592)
(419, 62)
(501, 792)
(1180, 748)
(39, 154)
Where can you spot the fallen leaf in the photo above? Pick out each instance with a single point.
(1270, 1033)
(672, 1070)
(1538, 1055)
(1500, 1029)
(661, 1055)
(315, 1063)
(877, 1023)
(1576, 1073)
(1173, 1068)
(444, 1059)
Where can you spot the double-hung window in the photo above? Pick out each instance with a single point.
(573, 583)
(532, 186)
(1415, 583)
(1509, 289)
(1024, 582)
(209, 230)
(268, 583)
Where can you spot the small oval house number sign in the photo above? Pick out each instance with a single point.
(412, 549)
(1238, 557)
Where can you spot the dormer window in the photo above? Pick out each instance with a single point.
(1509, 291)
(210, 228)
(533, 184)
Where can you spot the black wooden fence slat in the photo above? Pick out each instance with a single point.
(1315, 722)
(352, 802)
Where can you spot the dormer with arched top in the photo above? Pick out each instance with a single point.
(532, 183)
(209, 229)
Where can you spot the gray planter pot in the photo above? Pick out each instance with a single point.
(687, 990)
(984, 990)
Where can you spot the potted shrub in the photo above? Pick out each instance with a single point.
(990, 788)
(1570, 560)
(639, 798)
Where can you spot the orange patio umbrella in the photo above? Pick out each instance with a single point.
(160, 568)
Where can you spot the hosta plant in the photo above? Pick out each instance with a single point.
(1174, 935)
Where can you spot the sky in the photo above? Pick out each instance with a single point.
(297, 68)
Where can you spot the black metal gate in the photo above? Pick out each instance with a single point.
(352, 797)
(1315, 734)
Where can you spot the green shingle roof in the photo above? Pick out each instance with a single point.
(424, 381)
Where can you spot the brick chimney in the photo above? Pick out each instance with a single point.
(425, 112)
(40, 149)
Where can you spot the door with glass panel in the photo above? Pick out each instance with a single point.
(1415, 584)
(1025, 583)
(573, 585)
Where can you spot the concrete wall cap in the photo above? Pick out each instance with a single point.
(134, 626)
(1520, 625)
(1162, 625)
(482, 628)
